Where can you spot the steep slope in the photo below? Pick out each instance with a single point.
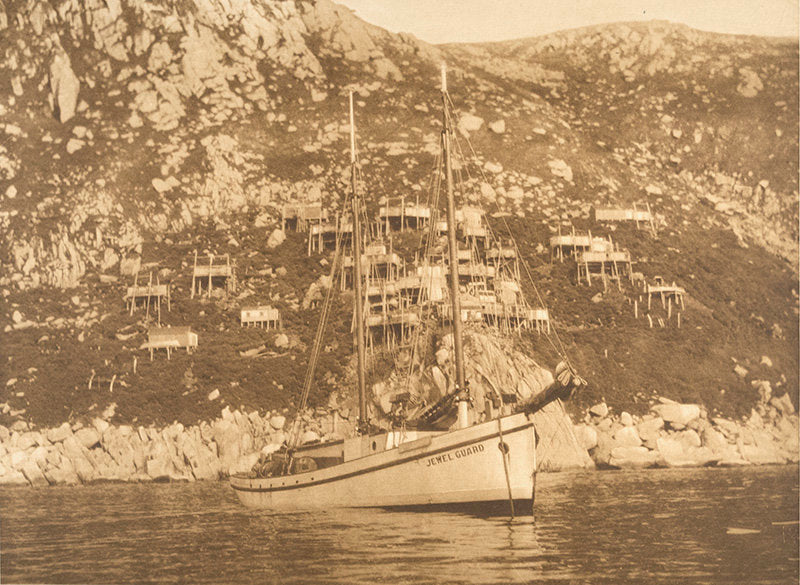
(134, 133)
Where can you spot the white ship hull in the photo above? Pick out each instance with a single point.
(464, 466)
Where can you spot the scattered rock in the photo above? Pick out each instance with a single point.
(276, 238)
(64, 87)
(469, 123)
(560, 169)
(599, 410)
(749, 83)
(74, 145)
(498, 126)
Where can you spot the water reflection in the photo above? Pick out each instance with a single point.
(645, 527)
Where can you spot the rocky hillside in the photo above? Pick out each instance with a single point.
(133, 133)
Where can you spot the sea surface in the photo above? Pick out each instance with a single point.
(655, 526)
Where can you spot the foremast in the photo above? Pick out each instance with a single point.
(461, 390)
(358, 295)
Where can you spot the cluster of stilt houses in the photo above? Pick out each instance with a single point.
(600, 259)
(402, 294)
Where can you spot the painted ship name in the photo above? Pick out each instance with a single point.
(453, 455)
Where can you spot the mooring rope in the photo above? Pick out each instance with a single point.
(504, 450)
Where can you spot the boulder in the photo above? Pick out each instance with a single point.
(674, 451)
(633, 457)
(87, 437)
(245, 463)
(560, 169)
(121, 452)
(586, 436)
(764, 390)
(13, 477)
(281, 341)
(675, 413)
(763, 454)
(599, 410)
(498, 126)
(277, 422)
(201, 460)
(308, 436)
(276, 238)
(62, 476)
(64, 87)
(749, 83)
(469, 123)
(626, 419)
(783, 404)
(627, 437)
(33, 473)
(558, 448)
(159, 469)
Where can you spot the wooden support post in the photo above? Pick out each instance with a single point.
(679, 320)
(635, 309)
(135, 363)
(194, 273)
(669, 308)
(210, 264)
(649, 297)
(147, 298)
(650, 320)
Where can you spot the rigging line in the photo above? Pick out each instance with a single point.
(560, 349)
(318, 338)
(422, 331)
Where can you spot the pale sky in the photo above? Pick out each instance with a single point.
(443, 21)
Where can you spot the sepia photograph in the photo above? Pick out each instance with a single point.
(399, 292)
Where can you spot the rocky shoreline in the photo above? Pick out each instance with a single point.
(683, 435)
(671, 435)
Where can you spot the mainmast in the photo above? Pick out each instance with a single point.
(358, 300)
(458, 344)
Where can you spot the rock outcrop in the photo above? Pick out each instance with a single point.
(64, 87)
(681, 435)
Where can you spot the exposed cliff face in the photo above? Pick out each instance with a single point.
(132, 132)
(159, 79)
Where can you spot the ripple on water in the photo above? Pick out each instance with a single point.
(662, 526)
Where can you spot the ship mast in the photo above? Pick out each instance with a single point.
(461, 390)
(358, 301)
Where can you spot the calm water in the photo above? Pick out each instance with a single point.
(667, 526)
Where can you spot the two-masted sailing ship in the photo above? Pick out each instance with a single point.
(439, 459)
